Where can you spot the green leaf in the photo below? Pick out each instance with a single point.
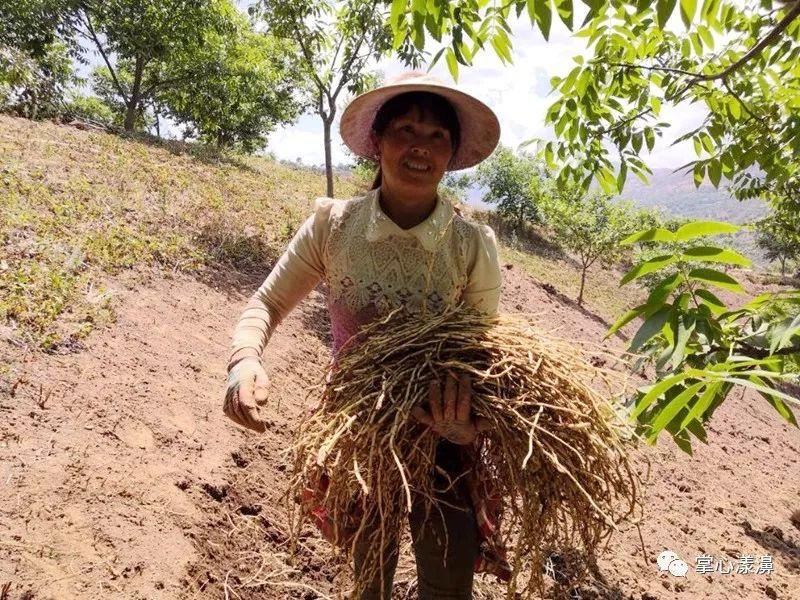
(713, 254)
(565, 11)
(774, 397)
(648, 266)
(623, 173)
(706, 36)
(696, 428)
(642, 309)
(664, 9)
(452, 63)
(671, 410)
(544, 15)
(656, 234)
(699, 173)
(656, 390)
(650, 138)
(715, 304)
(701, 228)
(398, 9)
(716, 278)
(781, 336)
(651, 326)
(714, 172)
(687, 11)
(636, 142)
(682, 336)
(699, 408)
(624, 320)
(663, 289)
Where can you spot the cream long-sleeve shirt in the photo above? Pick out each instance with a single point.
(371, 266)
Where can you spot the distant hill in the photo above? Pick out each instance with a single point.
(675, 195)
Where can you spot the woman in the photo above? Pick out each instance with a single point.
(399, 245)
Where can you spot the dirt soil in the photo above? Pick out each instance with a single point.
(121, 478)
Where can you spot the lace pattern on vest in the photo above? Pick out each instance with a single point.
(374, 277)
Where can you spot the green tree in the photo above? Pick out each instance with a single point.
(247, 90)
(336, 41)
(739, 61)
(699, 347)
(34, 26)
(89, 107)
(35, 86)
(154, 40)
(778, 235)
(514, 183)
(589, 225)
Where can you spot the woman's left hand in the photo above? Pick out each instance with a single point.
(450, 415)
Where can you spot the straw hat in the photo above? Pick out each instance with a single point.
(480, 129)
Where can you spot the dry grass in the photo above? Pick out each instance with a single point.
(76, 206)
(553, 453)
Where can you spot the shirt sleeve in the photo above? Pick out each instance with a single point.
(484, 279)
(296, 273)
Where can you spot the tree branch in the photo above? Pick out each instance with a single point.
(648, 68)
(165, 82)
(622, 123)
(755, 50)
(97, 43)
(695, 78)
(738, 99)
(346, 68)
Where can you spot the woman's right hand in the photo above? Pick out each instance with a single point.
(247, 390)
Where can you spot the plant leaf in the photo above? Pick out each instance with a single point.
(664, 9)
(648, 266)
(714, 254)
(656, 234)
(699, 408)
(717, 278)
(651, 326)
(701, 228)
(656, 390)
(671, 410)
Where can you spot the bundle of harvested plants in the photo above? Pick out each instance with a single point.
(554, 451)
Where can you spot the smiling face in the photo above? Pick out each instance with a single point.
(414, 151)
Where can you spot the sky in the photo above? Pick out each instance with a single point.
(518, 93)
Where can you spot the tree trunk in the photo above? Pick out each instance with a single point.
(134, 100)
(328, 166)
(583, 283)
(783, 267)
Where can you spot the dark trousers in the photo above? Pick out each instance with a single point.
(444, 540)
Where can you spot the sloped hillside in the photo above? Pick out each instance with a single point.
(119, 475)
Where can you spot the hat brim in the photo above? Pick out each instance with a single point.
(480, 129)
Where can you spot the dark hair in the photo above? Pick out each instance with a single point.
(430, 105)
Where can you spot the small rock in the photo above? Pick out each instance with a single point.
(666, 584)
(771, 593)
(776, 531)
(795, 518)
(684, 488)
